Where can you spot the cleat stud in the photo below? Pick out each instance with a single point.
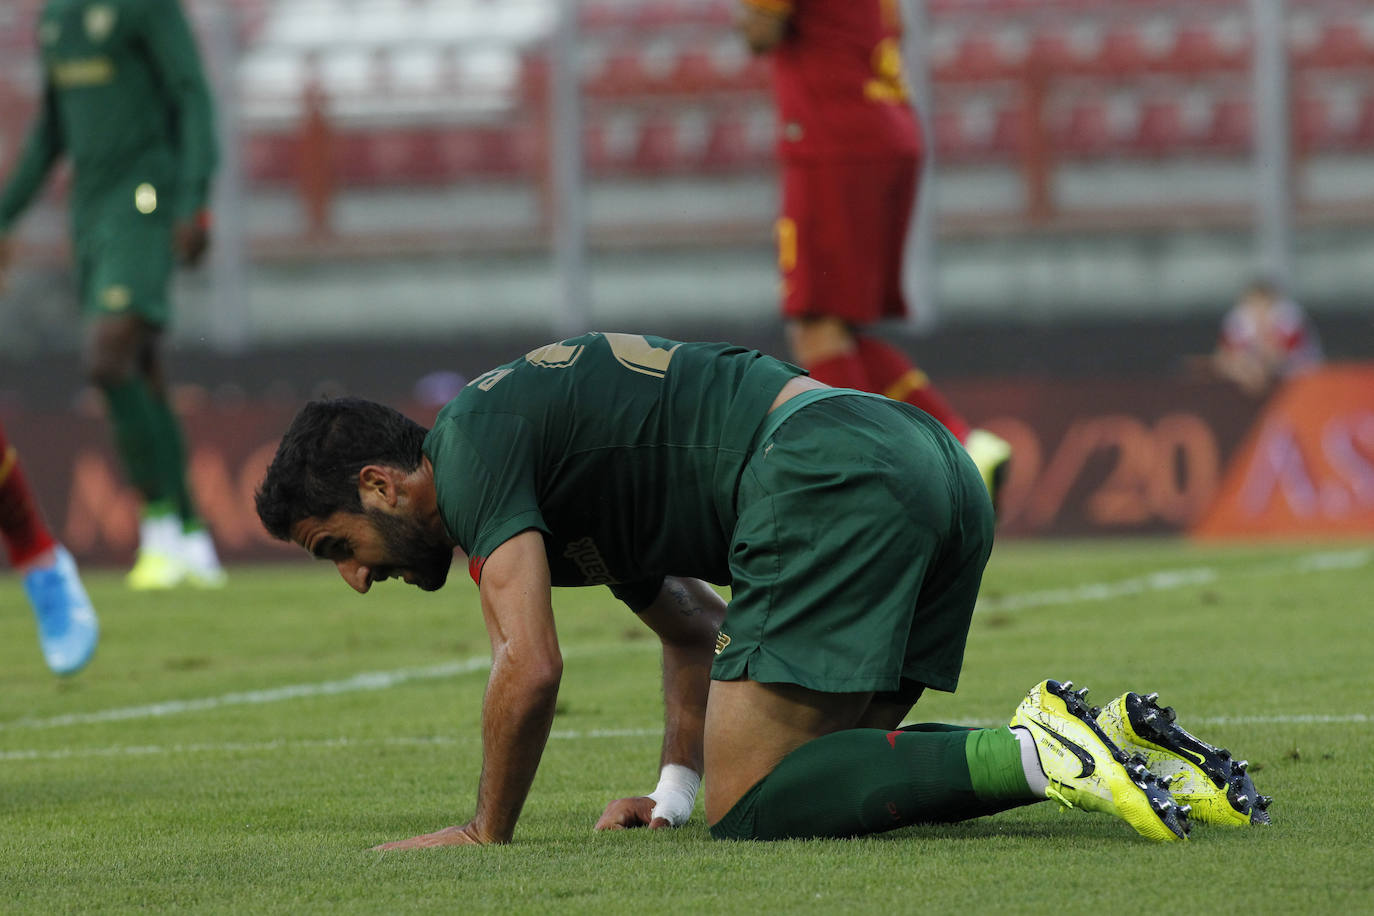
(1082, 694)
(1185, 810)
(1264, 801)
(1095, 711)
(1224, 754)
(1242, 766)
(1152, 698)
(1166, 781)
(1067, 686)
(1242, 801)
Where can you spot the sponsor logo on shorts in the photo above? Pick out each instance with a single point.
(116, 298)
(585, 554)
(722, 641)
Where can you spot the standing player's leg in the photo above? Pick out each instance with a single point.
(195, 548)
(116, 345)
(67, 627)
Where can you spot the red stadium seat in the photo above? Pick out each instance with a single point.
(1232, 126)
(950, 142)
(1008, 132)
(1196, 50)
(1054, 52)
(695, 70)
(1122, 52)
(1161, 127)
(622, 73)
(977, 58)
(732, 143)
(1313, 129)
(1342, 45)
(1086, 131)
(657, 149)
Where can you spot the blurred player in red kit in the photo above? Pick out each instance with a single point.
(850, 149)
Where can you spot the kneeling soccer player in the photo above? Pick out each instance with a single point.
(852, 529)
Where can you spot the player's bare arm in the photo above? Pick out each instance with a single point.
(517, 712)
(686, 616)
(763, 25)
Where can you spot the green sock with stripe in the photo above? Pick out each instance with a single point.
(863, 781)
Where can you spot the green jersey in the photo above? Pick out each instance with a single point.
(625, 451)
(123, 92)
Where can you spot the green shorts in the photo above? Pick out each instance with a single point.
(124, 251)
(863, 531)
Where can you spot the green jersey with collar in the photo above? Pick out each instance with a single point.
(625, 451)
(123, 93)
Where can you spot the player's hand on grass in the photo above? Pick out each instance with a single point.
(191, 238)
(624, 813)
(449, 836)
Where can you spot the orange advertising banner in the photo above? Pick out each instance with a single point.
(1307, 466)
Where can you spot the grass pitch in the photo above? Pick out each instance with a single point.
(242, 750)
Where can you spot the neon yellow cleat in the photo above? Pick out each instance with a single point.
(992, 455)
(1218, 788)
(1087, 770)
(155, 570)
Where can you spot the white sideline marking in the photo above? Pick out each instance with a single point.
(1170, 579)
(255, 747)
(1163, 580)
(370, 680)
(261, 747)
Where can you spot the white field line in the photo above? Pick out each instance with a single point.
(331, 744)
(261, 747)
(368, 680)
(1165, 580)
(1171, 579)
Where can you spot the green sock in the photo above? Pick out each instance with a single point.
(874, 781)
(171, 459)
(133, 417)
(994, 766)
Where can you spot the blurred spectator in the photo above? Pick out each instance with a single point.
(1265, 337)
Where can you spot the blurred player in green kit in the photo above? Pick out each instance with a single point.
(125, 99)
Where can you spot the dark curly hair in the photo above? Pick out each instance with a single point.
(315, 471)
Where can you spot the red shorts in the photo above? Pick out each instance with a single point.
(842, 235)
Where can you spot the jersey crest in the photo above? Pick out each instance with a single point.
(100, 22)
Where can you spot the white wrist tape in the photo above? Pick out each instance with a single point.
(675, 793)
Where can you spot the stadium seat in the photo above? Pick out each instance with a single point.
(1197, 50)
(622, 73)
(976, 58)
(1232, 126)
(1341, 45)
(657, 147)
(1085, 131)
(1122, 52)
(1161, 127)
